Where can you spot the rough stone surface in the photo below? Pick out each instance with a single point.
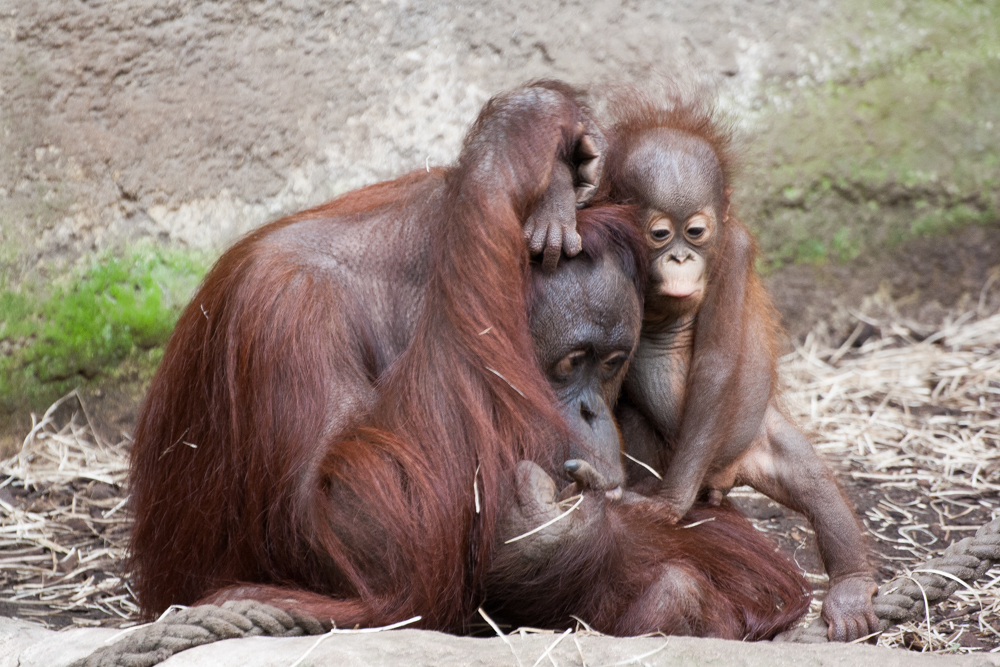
(23, 643)
(420, 647)
(197, 121)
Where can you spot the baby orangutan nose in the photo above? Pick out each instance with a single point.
(681, 255)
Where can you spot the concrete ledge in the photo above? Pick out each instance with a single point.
(24, 644)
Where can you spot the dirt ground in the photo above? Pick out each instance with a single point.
(924, 282)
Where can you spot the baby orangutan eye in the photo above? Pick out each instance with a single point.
(697, 229)
(661, 230)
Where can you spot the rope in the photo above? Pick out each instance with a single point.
(152, 644)
(897, 601)
(902, 599)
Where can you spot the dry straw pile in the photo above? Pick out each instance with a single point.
(63, 525)
(912, 426)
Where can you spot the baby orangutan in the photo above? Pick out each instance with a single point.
(698, 404)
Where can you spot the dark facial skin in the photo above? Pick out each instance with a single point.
(682, 189)
(698, 398)
(585, 325)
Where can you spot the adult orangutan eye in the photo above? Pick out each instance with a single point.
(565, 366)
(612, 363)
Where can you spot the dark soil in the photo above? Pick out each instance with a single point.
(923, 281)
(793, 532)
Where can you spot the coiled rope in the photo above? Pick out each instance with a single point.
(902, 599)
(193, 626)
(897, 601)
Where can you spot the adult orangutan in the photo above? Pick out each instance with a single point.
(345, 377)
(699, 401)
(342, 413)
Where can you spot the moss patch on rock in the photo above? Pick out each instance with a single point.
(905, 143)
(106, 321)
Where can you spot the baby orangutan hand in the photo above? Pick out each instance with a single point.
(848, 608)
(551, 227)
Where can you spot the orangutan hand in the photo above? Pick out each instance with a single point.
(524, 545)
(551, 227)
(848, 608)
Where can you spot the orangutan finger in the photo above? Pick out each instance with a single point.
(590, 171)
(874, 624)
(553, 248)
(539, 233)
(572, 244)
(529, 229)
(837, 631)
(585, 475)
(584, 194)
(587, 148)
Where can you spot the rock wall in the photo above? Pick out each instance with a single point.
(193, 121)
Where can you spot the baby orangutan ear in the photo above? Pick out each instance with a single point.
(724, 214)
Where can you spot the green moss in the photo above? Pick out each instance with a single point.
(15, 316)
(109, 318)
(905, 143)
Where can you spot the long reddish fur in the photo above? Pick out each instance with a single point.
(233, 473)
(245, 379)
(739, 585)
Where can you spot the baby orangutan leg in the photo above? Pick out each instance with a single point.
(785, 467)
